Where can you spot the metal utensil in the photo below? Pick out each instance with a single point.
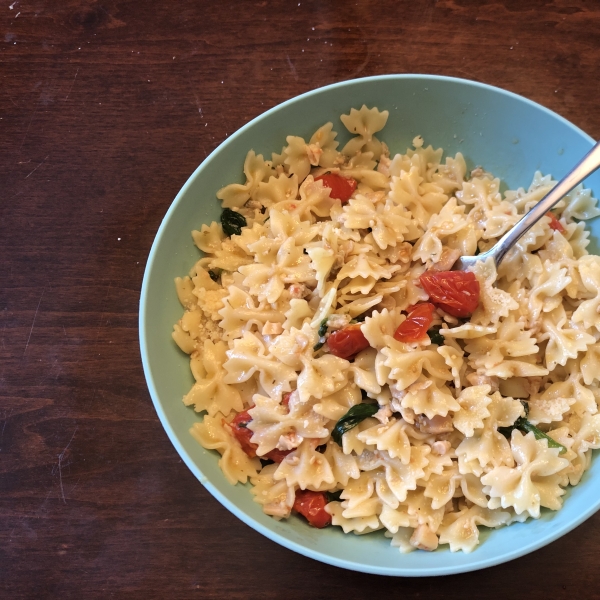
(586, 166)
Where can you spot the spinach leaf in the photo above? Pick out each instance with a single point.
(232, 222)
(522, 424)
(435, 336)
(321, 333)
(333, 496)
(351, 419)
(323, 328)
(540, 435)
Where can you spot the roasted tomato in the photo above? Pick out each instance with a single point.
(341, 187)
(456, 292)
(311, 505)
(276, 455)
(555, 223)
(239, 428)
(415, 327)
(347, 342)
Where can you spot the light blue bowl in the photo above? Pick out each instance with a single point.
(507, 134)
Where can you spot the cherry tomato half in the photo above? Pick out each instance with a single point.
(341, 187)
(456, 292)
(311, 505)
(555, 223)
(239, 429)
(276, 455)
(347, 342)
(415, 326)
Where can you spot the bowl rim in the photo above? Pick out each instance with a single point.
(197, 471)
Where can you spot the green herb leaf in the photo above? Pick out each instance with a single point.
(232, 222)
(435, 336)
(333, 496)
(318, 346)
(522, 424)
(323, 328)
(540, 435)
(351, 419)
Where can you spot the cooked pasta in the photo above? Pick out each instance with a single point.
(337, 377)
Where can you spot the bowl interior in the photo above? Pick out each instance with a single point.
(506, 134)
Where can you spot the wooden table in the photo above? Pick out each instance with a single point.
(105, 109)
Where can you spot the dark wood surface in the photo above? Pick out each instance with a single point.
(105, 109)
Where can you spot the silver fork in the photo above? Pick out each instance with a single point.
(585, 167)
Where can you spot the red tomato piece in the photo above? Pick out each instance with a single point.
(555, 223)
(415, 326)
(311, 505)
(239, 428)
(347, 342)
(276, 455)
(341, 187)
(456, 292)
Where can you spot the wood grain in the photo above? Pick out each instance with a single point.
(105, 110)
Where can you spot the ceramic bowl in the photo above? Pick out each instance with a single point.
(508, 135)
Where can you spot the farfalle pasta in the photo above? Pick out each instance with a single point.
(343, 390)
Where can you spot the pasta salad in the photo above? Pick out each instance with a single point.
(353, 378)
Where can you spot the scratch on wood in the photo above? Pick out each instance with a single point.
(34, 318)
(15, 195)
(103, 312)
(58, 370)
(73, 488)
(39, 510)
(28, 126)
(32, 172)
(6, 418)
(198, 105)
(293, 69)
(60, 458)
(71, 88)
(363, 65)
